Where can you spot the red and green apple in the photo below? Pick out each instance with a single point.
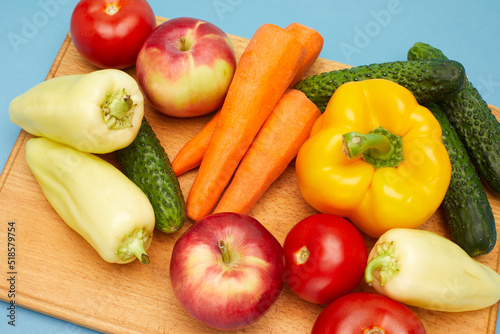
(185, 67)
(226, 270)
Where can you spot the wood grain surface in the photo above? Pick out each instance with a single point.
(59, 274)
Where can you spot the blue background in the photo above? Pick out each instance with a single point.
(356, 32)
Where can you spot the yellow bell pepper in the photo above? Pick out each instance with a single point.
(376, 157)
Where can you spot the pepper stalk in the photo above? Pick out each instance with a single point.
(385, 264)
(118, 110)
(379, 147)
(134, 245)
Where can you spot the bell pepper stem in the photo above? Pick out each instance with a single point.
(380, 148)
(385, 263)
(355, 144)
(133, 245)
(118, 110)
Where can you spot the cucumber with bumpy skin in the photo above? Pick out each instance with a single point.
(146, 163)
(428, 80)
(473, 120)
(467, 211)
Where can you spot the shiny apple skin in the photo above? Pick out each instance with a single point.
(227, 296)
(186, 83)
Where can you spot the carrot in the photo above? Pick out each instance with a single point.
(266, 68)
(312, 41)
(275, 146)
(191, 154)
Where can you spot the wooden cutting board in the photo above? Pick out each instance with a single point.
(59, 274)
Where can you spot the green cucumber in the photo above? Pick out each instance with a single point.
(428, 80)
(146, 163)
(466, 207)
(473, 120)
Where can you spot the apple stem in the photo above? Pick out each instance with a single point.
(225, 254)
(184, 46)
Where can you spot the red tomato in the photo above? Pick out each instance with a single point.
(109, 33)
(325, 258)
(366, 312)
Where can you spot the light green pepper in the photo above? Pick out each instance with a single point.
(95, 199)
(98, 112)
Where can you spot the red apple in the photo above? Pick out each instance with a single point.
(226, 270)
(185, 67)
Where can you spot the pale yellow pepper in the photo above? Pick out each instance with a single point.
(95, 199)
(97, 112)
(424, 269)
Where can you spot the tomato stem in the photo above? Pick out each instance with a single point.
(225, 253)
(111, 9)
(302, 255)
(374, 330)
